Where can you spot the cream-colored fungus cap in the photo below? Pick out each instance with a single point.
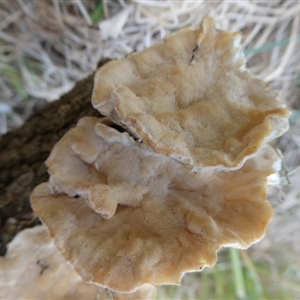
(34, 269)
(125, 216)
(191, 97)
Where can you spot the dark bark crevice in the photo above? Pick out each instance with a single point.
(23, 152)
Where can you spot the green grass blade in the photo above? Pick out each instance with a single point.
(269, 46)
(219, 282)
(252, 272)
(98, 13)
(238, 274)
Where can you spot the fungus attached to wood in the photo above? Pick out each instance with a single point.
(127, 211)
(191, 97)
(142, 217)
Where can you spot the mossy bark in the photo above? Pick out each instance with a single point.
(23, 153)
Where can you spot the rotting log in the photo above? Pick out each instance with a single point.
(23, 152)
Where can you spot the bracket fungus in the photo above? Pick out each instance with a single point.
(191, 97)
(140, 217)
(125, 208)
(34, 269)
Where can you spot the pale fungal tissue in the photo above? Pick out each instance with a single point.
(34, 269)
(124, 215)
(186, 175)
(191, 97)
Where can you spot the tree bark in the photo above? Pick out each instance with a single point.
(23, 152)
